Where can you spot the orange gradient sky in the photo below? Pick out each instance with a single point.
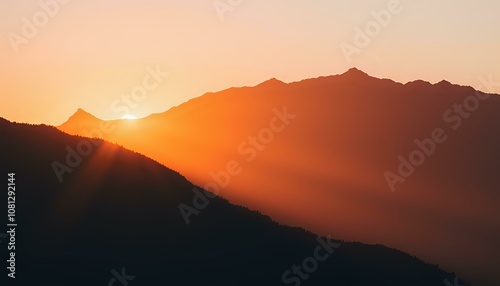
(88, 53)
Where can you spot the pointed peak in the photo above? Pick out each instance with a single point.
(79, 110)
(354, 72)
(80, 113)
(444, 82)
(272, 82)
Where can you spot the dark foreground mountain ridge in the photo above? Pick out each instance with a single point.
(118, 211)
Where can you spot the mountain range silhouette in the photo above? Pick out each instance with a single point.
(326, 171)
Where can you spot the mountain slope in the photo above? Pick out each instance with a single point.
(118, 210)
(315, 153)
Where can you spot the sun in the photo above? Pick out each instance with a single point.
(129, 117)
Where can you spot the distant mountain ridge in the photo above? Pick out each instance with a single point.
(351, 74)
(326, 170)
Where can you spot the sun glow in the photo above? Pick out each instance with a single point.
(129, 117)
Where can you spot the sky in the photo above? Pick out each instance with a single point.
(117, 58)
